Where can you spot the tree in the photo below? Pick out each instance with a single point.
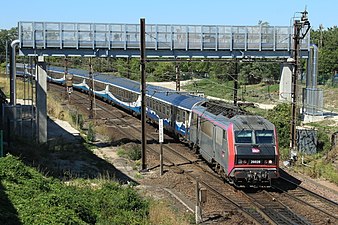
(281, 118)
(9, 36)
(254, 73)
(328, 51)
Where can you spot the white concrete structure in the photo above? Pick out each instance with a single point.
(286, 81)
(41, 100)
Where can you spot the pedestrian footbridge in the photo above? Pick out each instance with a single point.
(162, 40)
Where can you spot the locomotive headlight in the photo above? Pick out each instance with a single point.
(240, 161)
(270, 161)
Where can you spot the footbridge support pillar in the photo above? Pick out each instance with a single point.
(41, 100)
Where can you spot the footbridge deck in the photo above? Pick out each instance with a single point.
(123, 40)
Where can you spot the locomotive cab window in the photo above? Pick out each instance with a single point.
(264, 137)
(243, 136)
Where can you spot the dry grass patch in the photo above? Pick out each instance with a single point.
(162, 213)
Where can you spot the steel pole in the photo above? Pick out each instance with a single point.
(178, 81)
(6, 58)
(235, 79)
(143, 92)
(91, 89)
(293, 135)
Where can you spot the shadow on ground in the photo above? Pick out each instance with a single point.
(286, 182)
(67, 156)
(8, 214)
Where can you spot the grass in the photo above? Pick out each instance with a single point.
(259, 93)
(212, 88)
(320, 166)
(130, 151)
(162, 213)
(330, 97)
(23, 88)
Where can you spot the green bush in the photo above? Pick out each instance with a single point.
(130, 151)
(41, 200)
(281, 118)
(324, 143)
(77, 119)
(91, 132)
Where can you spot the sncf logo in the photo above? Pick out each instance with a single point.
(255, 150)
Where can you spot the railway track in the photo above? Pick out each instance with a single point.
(326, 208)
(278, 212)
(257, 207)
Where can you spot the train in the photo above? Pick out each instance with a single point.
(241, 148)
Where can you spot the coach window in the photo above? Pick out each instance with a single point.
(168, 110)
(178, 115)
(164, 109)
(155, 105)
(158, 106)
(183, 116)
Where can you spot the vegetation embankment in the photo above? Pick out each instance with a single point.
(35, 199)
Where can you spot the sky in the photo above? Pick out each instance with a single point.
(194, 12)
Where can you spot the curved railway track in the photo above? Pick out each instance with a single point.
(258, 207)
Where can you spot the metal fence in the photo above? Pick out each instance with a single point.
(313, 101)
